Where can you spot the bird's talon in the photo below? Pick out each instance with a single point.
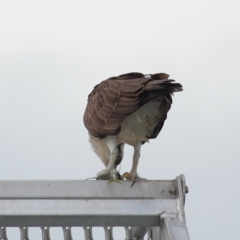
(129, 176)
(126, 176)
(135, 179)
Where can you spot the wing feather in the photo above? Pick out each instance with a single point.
(114, 99)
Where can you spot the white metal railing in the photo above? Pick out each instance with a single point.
(152, 208)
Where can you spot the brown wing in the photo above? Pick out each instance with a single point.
(114, 99)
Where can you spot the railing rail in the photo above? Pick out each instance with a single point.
(152, 207)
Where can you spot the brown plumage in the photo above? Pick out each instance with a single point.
(131, 108)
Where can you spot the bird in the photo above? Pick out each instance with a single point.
(127, 109)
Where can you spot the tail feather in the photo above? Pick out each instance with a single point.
(159, 87)
(168, 84)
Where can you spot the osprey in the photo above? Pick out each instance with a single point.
(128, 109)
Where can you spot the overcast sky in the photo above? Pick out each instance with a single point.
(52, 53)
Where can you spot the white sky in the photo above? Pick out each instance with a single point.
(52, 53)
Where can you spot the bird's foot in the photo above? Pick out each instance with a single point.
(132, 177)
(102, 174)
(112, 176)
(114, 180)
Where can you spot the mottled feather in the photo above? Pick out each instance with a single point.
(114, 99)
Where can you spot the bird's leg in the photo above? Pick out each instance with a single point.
(133, 176)
(111, 142)
(120, 154)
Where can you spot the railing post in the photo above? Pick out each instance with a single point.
(67, 233)
(88, 233)
(108, 233)
(128, 232)
(45, 233)
(3, 233)
(24, 233)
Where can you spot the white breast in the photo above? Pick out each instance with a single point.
(140, 124)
